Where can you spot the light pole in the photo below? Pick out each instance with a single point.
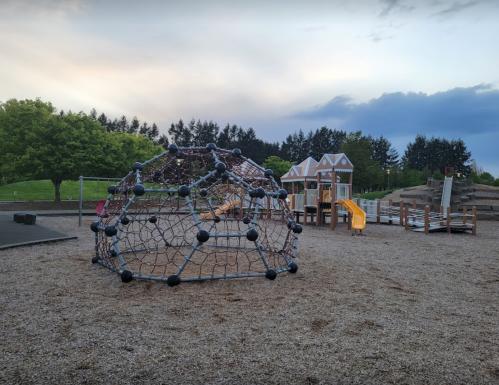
(388, 173)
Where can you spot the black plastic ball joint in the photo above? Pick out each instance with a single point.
(113, 253)
(126, 276)
(137, 166)
(96, 259)
(252, 193)
(153, 219)
(139, 190)
(225, 177)
(217, 219)
(268, 173)
(183, 191)
(94, 227)
(271, 274)
(111, 231)
(172, 148)
(220, 167)
(125, 221)
(283, 194)
(297, 229)
(203, 236)
(111, 189)
(246, 220)
(203, 193)
(293, 268)
(260, 192)
(252, 235)
(173, 280)
(236, 152)
(211, 146)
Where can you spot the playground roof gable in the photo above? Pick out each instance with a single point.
(306, 170)
(336, 162)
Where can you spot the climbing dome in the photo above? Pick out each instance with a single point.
(196, 213)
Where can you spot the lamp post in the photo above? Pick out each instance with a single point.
(388, 173)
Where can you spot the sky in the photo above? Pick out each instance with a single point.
(396, 68)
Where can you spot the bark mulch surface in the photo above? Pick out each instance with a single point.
(391, 307)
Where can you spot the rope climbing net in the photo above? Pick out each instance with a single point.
(196, 213)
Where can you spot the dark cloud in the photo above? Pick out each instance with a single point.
(455, 112)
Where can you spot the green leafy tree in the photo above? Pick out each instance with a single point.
(37, 143)
(367, 172)
(278, 166)
(410, 178)
(127, 149)
(486, 178)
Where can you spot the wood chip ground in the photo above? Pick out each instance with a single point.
(392, 307)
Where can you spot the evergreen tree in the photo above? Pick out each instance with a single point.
(134, 126)
(162, 141)
(122, 125)
(415, 156)
(383, 152)
(180, 134)
(153, 132)
(103, 120)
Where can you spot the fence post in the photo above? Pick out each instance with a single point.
(406, 212)
(473, 230)
(378, 211)
(401, 213)
(390, 202)
(80, 204)
(465, 211)
(427, 219)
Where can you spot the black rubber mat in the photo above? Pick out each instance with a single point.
(14, 234)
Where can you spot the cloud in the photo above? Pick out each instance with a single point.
(392, 6)
(455, 8)
(57, 9)
(455, 112)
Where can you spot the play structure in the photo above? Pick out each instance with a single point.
(317, 193)
(196, 213)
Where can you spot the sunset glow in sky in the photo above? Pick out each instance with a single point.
(386, 67)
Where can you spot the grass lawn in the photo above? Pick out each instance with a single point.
(44, 190)
(376, 194)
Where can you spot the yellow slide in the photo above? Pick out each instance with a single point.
(221, 209)
(358, 215)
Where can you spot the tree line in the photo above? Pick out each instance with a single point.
(37, 142)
